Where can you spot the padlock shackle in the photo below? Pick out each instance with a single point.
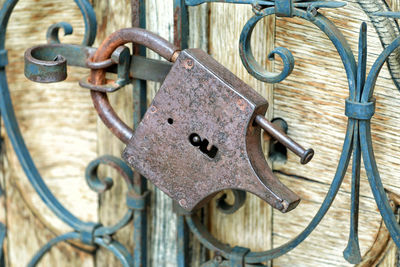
(97, 76)
(130, 35)
(107, 114)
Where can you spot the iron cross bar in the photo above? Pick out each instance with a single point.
(48, 63)
(283, 7)
(296, 3)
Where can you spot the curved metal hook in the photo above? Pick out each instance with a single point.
(376, 68)
(99, 186)
(367, 148)
(89, 18)
(5, 13)
(53, 30)
(46, 248)
(376, 183)
(238, 202)
(14, 133)
(321, 22)
(250, 62)
(255, 257)
(113, 246)
(116, 248)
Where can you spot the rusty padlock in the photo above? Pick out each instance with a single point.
(201, 133)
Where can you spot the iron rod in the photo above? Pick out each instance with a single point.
(275, 132)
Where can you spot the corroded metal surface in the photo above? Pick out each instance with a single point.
(206, 92)
(97, 77)
(198, 137)
(123, 36)
(305, 155)
(39, 63)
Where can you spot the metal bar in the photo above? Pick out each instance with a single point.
(141, 65)
(352, 251)
(181, 24)
(77, 55)
(139, 108)
(275, 132)
(199, 2)
(182, 242)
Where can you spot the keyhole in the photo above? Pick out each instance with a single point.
(196, 140)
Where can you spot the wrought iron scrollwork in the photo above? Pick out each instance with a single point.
(89, 233)
(261, 10)
(359, 108)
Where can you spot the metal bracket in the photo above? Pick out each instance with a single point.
(121, 57)
(284, 8)
(48, 63)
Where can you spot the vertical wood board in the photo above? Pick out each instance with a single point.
(251, 225)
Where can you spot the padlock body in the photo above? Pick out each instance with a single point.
(193, 140)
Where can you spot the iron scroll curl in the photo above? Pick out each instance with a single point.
(360, 107)
(250, 62)
(90, 233)
(357, 141)
(17, 140)
(350, 65)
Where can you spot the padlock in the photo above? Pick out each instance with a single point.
(201, 133)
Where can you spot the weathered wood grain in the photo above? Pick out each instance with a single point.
(393, 4)
(312, 101)
(114, 15)
(57, 121)
(251, 225)
(313, 108)
(159, 19)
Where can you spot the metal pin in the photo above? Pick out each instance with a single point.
(271, 129)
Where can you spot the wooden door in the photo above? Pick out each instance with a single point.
(64, 134)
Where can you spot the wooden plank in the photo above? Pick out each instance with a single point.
(325, 245)
(162, 231)
(50, 116)
(112, 16)
(391, 258)
(252, 223)
(162, 234)
(312, 102)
